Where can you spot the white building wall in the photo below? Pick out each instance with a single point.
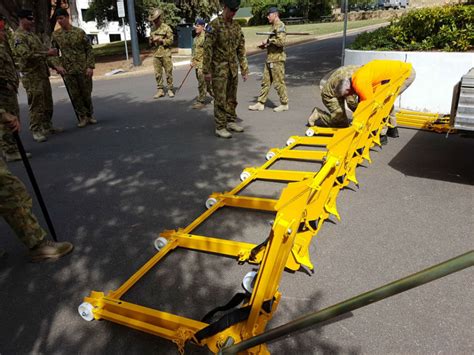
(436, 75)
(103, 34)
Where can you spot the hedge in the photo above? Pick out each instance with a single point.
(445, 28)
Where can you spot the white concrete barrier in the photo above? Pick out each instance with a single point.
(436, 75)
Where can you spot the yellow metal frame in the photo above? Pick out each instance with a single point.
(424, 120)
(304, 204)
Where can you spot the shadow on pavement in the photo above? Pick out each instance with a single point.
(435, 156)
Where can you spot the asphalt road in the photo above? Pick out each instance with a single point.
(151, 164)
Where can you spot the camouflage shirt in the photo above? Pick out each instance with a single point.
(276, 43)
(76, 50)
(163, 32)
(30, 54)
(329, 88)
(198, 50)
(223, 46)
(8, 74)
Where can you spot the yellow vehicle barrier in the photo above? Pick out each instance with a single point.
(304, 204)
(424, 120)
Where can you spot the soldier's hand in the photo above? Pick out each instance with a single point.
(52, 52)
(89, 72)
(191, 65)
(60, 70)
(11, 121)
(245, 76)
(208, 77)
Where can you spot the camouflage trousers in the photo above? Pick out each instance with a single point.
(166, 63)
(337, 117)
(79, 87)
(203, 88)
(9, 102)
(40, 102)
(224, 87)
(15, 208)
(274, 73)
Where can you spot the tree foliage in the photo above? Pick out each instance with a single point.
(446, 28)
(309, 9)
(173, 11)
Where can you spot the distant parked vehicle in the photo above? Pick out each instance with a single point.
(395, 4)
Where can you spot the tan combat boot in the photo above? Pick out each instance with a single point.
(281, 108)
(91, 120)
(232, 126)
(313, 118)
(39, 137)
(257, 107)
(159, 93)
(198, 105)
(47, 249)
(9, 157)
(170, 93)
(53, 130)
(223, 133)
(82, 122)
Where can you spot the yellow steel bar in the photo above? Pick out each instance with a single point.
(146, 319)
(302, 154)
(278, 175)
(209, 244)
(309, 141)
(172, 244)
(256, 203)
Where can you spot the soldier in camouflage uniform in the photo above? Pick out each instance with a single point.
(274, 71)
(223, 47)
(162, 38)
(196, 62)
(76, 65)
(16, 204)
(31, 57)
(8, 94)
(334, 100)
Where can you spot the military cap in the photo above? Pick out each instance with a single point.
(24, 13)
(62, 12)
(200, 22)
(271, 10)
(232, 4)
(154, 14)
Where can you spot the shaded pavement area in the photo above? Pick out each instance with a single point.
(150, 165)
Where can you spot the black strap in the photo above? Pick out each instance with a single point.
(229, 319)
(256, 249)
(234, 302)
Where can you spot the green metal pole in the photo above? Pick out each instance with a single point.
(420, 278)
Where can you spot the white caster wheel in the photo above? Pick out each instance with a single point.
(160, 242)
(309, 132)
(85, 311)
(211, 201)
(270, 155)
(290, 141)
(244, 176)
(249, 281)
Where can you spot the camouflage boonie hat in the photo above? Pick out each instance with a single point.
(154, 14)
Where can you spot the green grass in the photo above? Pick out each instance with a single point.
(251, 39)
(114, 48)
(315, 30)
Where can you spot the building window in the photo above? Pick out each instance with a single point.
(93, 39)
(115, 37)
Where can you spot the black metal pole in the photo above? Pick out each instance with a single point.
(133, 33)
(31, 175)
(420, 278)
(70, 98)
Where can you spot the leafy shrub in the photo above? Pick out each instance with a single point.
(446, 28)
